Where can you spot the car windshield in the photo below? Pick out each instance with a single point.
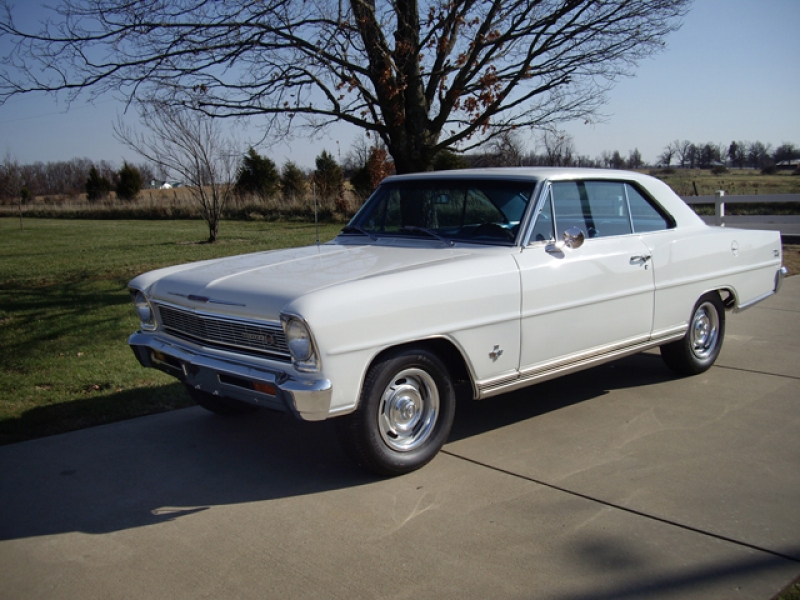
(482, 211)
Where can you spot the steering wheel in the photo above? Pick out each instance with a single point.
(492, 230)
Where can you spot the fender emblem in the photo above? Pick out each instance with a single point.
(267, 339)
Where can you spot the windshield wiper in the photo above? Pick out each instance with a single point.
(357, 229)
(425, 230)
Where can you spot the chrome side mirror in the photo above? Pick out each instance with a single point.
(573, 238)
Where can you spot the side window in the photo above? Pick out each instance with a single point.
(598, 208)
(568, 206)
(644, 215)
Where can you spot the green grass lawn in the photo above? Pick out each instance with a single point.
(65, 314)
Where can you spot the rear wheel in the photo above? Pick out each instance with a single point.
(700, 347)
(404, 415)
(219, 405)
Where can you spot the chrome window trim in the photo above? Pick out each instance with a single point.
(546, 190)
(543, 192)
(628, 205)
(528, 221)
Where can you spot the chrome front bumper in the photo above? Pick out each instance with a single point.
(232, 377)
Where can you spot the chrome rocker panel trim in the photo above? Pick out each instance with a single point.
(578, 362)
(307, 399)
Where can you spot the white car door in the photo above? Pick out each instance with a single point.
(589, 301)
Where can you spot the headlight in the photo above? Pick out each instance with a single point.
(143, 309)
(301, 344)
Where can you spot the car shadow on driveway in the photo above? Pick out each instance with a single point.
(155, 469)
(639, 370)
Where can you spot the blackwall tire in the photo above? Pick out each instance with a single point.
(700, 347)
(404, 415)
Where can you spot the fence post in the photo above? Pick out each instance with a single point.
(719, 208)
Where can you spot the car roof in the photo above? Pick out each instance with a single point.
(532, 173)
(660, 191)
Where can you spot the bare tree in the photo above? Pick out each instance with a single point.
(507, 149)
(785, 152)
(191, 146)
(683, 151)
(559, 148)
(666, 156)
(421, 77)
(758, 154)
(357, 157)
(11, 178)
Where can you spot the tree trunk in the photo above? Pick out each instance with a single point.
(413, 153)
(213, 230)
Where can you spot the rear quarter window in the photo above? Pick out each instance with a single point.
(646, 215)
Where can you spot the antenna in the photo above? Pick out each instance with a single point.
(316, 216)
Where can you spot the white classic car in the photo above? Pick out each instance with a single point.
(483, 281)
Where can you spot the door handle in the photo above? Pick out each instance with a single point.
(640, 259)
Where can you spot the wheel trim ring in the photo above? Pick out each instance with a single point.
(408, 410)
(704, 330)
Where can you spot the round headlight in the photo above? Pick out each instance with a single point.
(142, 306)
(298, 339)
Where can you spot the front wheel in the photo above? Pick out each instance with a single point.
(701, 345)
(404, 415)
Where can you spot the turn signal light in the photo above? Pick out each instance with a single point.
(265, 388)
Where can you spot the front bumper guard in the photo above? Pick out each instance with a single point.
(782, 274)
(307, 399)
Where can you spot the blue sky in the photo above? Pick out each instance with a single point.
(731, 72)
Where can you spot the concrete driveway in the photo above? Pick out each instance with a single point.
(619, 482)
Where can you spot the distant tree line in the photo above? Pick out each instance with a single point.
(557, 148)
(366, 165)
(737, 154)
(71, 178)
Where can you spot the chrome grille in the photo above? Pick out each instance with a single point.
(228, 333)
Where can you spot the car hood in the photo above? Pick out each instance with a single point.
(259, 285)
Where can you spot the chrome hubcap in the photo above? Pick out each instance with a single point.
(704, 331)
(408, 410)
